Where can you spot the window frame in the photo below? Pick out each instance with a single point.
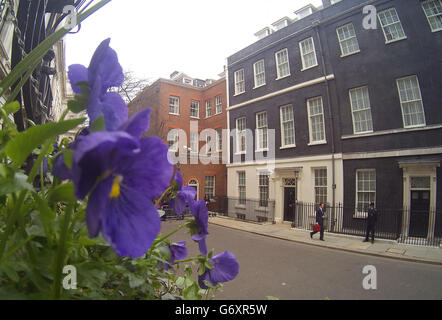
(241, 134)
(360, 110)
(408, 101)
(264, 189)
(436, 15)
(212, 187)
(239, 83)
(398, 22)
(282, 123)
(218, 104)
(310, 116)
(208, 108)
(362, 213)
(341, 41)
(278, 65)
(308, 53)
(259, 147)
(319, 196)
(242, 188)
(177, 106)
(197, 108)
(255, 74)
(176, 140)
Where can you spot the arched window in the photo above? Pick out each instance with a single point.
(194, 183)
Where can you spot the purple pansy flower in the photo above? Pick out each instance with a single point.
(123, 174)
(201, 214)
(178, 251)
(104, 72)
(185, 195)
(225, 268)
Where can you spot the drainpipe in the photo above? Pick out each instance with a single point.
(324, 72)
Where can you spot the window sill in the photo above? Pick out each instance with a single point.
(238, 94)
(279, 78)
(350, 54)
(174, 114)
(195, 117)
(262, 85)
(303, 69)
(395, 40)
(288, 147)
(262, 209)
(436, 30)
(262, 150)
(241, 207)
(317, 143)
(239, 153)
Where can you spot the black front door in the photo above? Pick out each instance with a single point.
(289, 204)
(419, 213)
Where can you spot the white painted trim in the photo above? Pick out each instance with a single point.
(392, 153)
(277, 93)
(337, 156)
(392, 131)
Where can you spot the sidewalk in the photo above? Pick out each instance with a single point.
(380, 247)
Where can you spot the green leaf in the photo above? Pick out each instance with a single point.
(68, 156)
(14, 184)
(135, 282)
(98, 124)
(21, 146)
(62, 193)
(12, 107)
(80, 101)
(191, 293)
(10, 273)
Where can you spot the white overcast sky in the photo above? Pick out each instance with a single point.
(155, 38)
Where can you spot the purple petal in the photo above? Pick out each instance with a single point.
(226, 268)
(130, 223)
(77, 73)
(201, 214)
(96, 206)
(137, 124)
(104, 64)
(185, 196)
(60, 170)
(149, 171)
(178, 251)
(179, 179)
(114, 110)
(98, 153)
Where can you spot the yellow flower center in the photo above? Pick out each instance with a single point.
(115, 192)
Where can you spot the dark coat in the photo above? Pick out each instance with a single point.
(372, 216)
(320, 216)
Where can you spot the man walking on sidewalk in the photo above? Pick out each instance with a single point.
(320, 216)
(371, 222)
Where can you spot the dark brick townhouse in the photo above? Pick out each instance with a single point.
(352, 93)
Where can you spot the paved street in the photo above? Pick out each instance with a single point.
(289, 270)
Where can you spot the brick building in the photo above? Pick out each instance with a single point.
(189, 115)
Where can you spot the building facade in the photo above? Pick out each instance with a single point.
(346, 99)
(190, 116)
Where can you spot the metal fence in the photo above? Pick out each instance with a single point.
(390, 223)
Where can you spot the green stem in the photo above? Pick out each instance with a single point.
(11, 221)
(187, 260)
(61, 252)
(163, 195)
(156, 242)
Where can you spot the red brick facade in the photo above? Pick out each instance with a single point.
(157, 97)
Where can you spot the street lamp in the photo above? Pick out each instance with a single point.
(296, 196)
